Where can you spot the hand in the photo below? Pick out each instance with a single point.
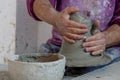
(68, 29)
(95, 44)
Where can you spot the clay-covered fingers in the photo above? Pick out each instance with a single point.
(67, 11)
(97, 23)
(97, 52)
(77, 30)
(68, 29)
(95, 48)
(70, 10)
(73, 36)
(93, 43)
(97, 36)
(76, 24)
(69, 40)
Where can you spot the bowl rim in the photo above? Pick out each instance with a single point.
(13, 58)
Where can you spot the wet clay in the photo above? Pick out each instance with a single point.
(38, 58)
(75, 54)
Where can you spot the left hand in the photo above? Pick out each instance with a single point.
(96, 43)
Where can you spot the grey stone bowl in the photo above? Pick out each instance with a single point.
(46, 69)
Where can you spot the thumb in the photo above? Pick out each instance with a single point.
(70, 10)
(97, 23)
(95, 26)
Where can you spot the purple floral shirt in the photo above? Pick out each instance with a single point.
(107, 11)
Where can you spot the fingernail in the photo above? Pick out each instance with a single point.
(84, 50)
(84, 38)
(85, 26)
(95, 55)
(74, 42)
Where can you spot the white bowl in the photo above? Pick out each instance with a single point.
(53, 70)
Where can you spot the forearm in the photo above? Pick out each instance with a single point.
(112, 35)
(44, 11)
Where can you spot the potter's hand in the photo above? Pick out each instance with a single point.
(68, 29)
(95, 44)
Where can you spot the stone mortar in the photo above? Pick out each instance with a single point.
(36, 67)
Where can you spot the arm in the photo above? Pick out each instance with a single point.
(112, 34)
(109, 37)
(44, 11)
(29, 4)
(68, 29)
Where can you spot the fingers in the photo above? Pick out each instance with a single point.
(77, 31)
(72, 30)
(97, 52)
(67, 11)
(94, 48)
(95, 44)
(76, 25)
(95, 27)
(74, 36)
(70, 10)
(71, 41)
(71, 23)
(97, 23)
(97, 36)
(69, 37)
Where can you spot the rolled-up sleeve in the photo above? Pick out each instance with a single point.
(116, 16)
(30, 7)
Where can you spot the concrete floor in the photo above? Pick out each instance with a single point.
(111, 72)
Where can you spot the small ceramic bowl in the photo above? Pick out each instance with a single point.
(49, 67)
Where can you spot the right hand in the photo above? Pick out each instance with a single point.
(68, 29)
